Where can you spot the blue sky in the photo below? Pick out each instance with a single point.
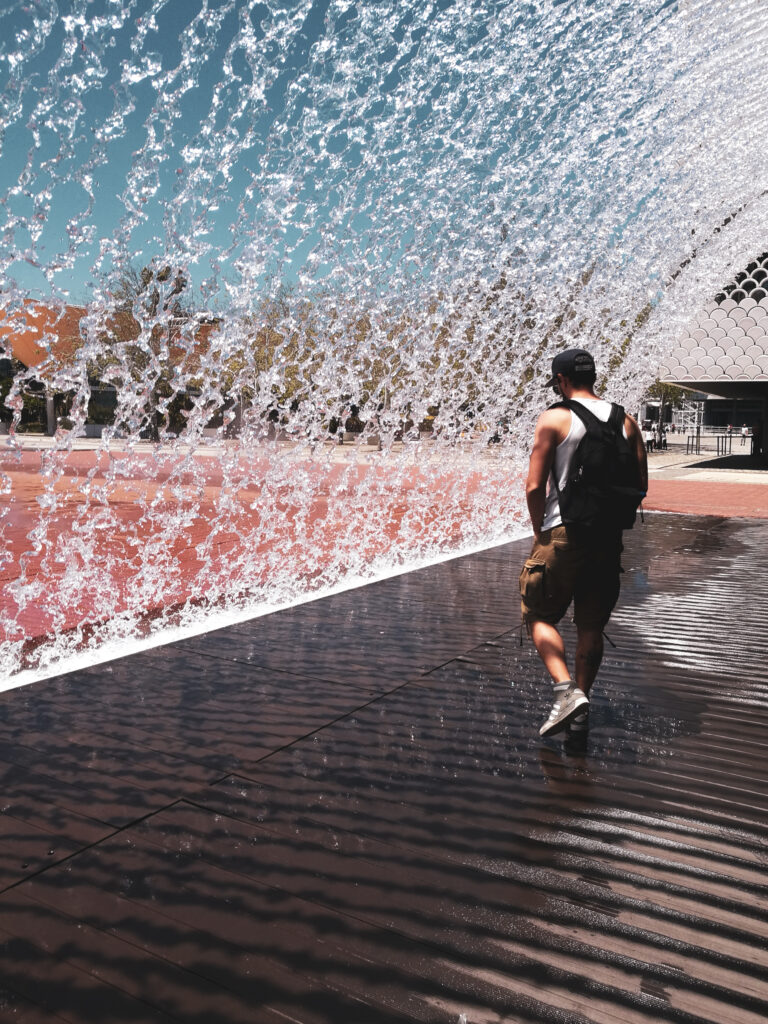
(87, 93)
(294, 140)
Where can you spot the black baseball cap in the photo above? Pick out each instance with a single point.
(573, 360)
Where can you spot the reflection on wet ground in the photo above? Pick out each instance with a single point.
(343, 813)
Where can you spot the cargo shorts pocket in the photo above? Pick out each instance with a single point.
(532, 582)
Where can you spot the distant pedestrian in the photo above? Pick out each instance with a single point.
(577, 520)
(744, 434)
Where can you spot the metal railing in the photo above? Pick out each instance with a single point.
(724, 444)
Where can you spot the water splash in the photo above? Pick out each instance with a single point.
(266, 220)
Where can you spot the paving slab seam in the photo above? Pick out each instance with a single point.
(413, 681)
(464, 658)
(89, 847)
(314, 732)
(105, 934)
(57, 863)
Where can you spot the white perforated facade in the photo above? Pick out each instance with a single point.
(728, 342)
(725, 350)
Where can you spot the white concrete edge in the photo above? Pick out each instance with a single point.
(113, 650)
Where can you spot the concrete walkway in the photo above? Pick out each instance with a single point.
(733, 485)
(342, 813)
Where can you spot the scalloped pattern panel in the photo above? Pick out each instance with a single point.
(729, 341)
(750, 283)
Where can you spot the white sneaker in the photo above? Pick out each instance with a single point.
(567, 705)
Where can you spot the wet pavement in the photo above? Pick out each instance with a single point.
(343, 813)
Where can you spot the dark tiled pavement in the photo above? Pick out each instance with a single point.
(342, 812)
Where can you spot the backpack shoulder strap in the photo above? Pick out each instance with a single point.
(616, 418)
(592, 423)
(587, 417)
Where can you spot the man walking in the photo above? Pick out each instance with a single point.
(576, 555)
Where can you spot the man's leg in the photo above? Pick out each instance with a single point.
(589, 655)
(546, 589)
(551, 649)
(594, 601)
(569, 701)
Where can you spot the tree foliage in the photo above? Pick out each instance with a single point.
(666, 394)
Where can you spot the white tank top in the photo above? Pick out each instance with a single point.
(564, 456)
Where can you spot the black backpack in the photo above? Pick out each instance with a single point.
(602, 489)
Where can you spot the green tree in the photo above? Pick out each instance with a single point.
(667, 395)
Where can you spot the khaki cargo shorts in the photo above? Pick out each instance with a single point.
(566, 566)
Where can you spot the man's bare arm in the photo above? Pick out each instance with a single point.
(635, 438)
(552, 427)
